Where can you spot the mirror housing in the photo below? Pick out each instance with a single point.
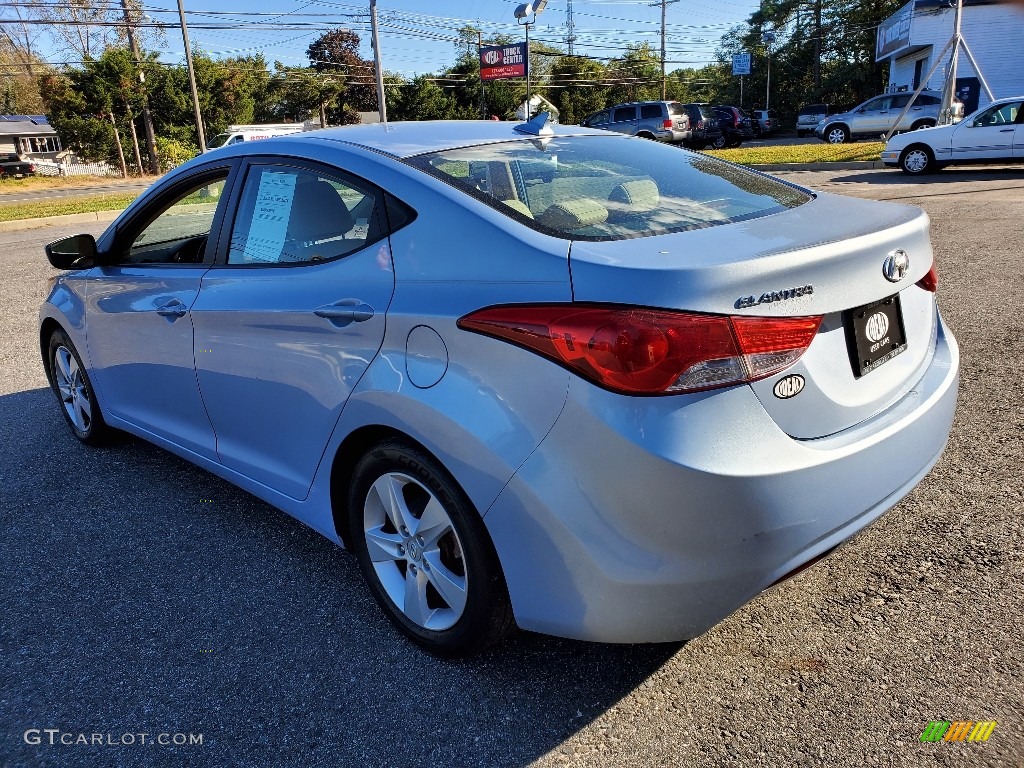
(75, 252)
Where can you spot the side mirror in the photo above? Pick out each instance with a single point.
(75, 252)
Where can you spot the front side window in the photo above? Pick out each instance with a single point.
(1004, 114)
(178, 233)
(294, 215)
(608, 188)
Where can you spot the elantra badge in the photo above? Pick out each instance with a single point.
(896, 265)
(789, 386)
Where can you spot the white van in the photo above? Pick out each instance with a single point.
(250, 134)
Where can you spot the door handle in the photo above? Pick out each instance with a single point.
(172, 309)
(1007, 130)
(346, 311)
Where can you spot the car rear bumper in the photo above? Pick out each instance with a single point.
(650, 520)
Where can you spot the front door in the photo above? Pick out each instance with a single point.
(139, 324)
(289, 322)
(989, 135)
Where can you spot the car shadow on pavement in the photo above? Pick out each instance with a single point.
(144, 595)
(945, 176)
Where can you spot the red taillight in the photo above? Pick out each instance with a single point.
(667, 123)
(649, 351)
(930, 282)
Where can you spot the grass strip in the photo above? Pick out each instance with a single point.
(59, 206)
(801, 153)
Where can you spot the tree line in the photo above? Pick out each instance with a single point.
(823, 51)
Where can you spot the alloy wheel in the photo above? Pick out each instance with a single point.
(916, 161)
(74, 392)
(415, 552)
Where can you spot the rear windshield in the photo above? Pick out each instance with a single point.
(814, 109)
(608, 188)
(675, 108)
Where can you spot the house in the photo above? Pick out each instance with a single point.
(29, 136)
(912, 38)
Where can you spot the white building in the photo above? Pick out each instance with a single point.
(915, 35)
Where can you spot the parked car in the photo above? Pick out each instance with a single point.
(662, 120)
(877, 116)
(13, 166)
(736, 127)
(809, 116)
(704, 129)
(764, 122)
(253, 133)
(560, 378)
(992, 134)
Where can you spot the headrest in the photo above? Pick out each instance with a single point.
(573, 214)
(318, 212)
(640, 195)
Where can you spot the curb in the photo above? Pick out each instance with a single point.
(853, 165)
(68, 218)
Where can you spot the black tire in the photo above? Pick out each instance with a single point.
(71, 384)
(837, 134)
(720, 142)
(734, 143)
(486, 617)
(917, 160)
(646, 135)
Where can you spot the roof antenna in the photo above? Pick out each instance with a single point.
(538, 126)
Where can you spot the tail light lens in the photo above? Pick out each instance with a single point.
(930, 282)
(667, 123)
(650, 352)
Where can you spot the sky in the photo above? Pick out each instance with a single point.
(418, 36)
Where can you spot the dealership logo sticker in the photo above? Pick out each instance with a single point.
(958, 730)
(789, 386)
(877, 326)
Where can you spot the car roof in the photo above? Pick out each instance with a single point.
(406, 139)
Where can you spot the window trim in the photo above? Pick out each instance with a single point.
(296, 163)
(127, 230)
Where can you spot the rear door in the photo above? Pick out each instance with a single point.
(291, 316)
(624, 119)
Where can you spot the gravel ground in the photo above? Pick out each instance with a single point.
(141, 594)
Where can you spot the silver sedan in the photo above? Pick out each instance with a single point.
(582, 383)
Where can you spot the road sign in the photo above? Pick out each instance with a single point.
(741, 63)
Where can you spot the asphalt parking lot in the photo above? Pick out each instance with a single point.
(141, 594)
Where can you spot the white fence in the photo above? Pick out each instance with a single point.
(55, 168)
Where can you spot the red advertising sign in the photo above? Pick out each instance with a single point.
(500, 62)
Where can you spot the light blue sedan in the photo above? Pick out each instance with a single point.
(581, 383)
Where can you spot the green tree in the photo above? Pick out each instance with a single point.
(577, 87)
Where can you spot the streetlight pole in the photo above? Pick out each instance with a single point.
(522, 14)
(768, 38)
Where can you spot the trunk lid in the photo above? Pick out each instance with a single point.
(821, 258)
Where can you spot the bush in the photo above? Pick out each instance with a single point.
(174, 152)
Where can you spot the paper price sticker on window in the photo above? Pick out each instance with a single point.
(270, 217)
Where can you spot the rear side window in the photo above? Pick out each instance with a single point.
(295, 215)
(650, 111)
(608, 188)
(623, 114)
(675, 108)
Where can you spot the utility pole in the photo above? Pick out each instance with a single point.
(382, 106)
(120, 149)
(663, 4)
(570, 26)
(192, 79)
(817, 48)
(147, 117)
